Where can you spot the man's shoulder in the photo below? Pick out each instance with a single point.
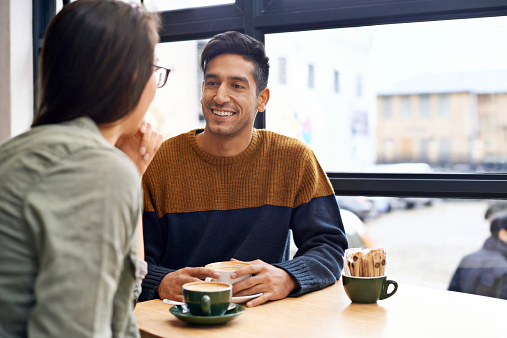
(484, 258)
(278, 140)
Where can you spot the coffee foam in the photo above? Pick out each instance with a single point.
(206, 286)
(226, 266)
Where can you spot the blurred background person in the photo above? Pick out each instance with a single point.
(70, 199)
(484, 272)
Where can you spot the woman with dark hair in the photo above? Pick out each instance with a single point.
(70, 187)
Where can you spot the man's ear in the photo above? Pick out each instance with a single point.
(502, 235)
(262, 100)
(202, 91)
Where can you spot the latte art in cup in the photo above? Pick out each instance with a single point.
(207, 286)
(226, 266)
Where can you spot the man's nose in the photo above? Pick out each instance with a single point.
(222, 94)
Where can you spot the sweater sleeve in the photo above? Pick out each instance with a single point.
(154, 248)
(318, 231)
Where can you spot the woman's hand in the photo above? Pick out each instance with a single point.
(141, 147)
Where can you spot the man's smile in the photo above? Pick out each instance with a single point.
(222, 112)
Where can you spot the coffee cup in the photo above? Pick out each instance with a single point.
(207, 298)
(225, 269)
(368, 290)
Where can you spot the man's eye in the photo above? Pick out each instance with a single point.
(211, 83)
(238, 86)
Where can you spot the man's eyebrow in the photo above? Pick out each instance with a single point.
(234, 78)
(239, 78)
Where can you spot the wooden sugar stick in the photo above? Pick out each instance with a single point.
(377, 259)
(368, 263)
(357, 264)
(382, 270)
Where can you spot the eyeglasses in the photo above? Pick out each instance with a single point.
(162, 75)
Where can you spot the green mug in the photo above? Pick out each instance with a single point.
(207, 298)
(368, 290)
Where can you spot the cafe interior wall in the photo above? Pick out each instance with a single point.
(16, 67)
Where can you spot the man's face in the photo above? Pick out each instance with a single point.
(229, 100)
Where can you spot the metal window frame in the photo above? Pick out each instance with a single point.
(260, 17)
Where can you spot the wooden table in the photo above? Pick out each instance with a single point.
(411, 312)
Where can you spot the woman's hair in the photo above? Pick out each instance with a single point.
(240, 44)
(96, 59)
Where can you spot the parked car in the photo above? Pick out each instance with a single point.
(355, 230)
(404, 168)
(361, 206)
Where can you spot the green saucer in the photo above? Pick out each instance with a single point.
(206, 320)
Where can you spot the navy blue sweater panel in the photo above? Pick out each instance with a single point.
(177, 240)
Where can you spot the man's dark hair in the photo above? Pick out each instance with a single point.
(495, 207)
(233, 42)
(497, 223)
(96, 59)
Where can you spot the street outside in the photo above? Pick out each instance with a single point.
(424, 245)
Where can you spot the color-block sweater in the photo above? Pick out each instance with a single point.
(200, 209)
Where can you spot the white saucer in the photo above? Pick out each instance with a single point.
(244, 299)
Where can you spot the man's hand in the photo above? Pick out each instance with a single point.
(170, 286)
(141, 147)
(275, 283)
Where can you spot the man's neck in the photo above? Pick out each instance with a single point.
(223, 146)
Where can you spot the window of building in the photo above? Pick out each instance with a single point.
(311, 76)
(424, 105)
(282, 70)
(405, 106)
(359, 86)
(336, 81)
(444, 150)
(387, 107)
(443, 105)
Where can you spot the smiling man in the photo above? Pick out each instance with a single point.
(230, 191)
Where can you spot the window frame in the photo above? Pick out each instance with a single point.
(260, 17)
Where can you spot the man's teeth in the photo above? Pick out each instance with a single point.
(222, 113)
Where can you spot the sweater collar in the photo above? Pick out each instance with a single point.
(254, 143)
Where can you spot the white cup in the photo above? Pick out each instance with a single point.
(225, 269)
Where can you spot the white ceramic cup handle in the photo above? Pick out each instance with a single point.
(208, 279)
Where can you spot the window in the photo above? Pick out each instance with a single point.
(164, 5)
(336, 81)
(409, 72)
(359, 86)
(405, 106)
(282, 70)
(443, 105)
(424, 149)
(311, 76)
(424, 105)
(444, 149)
(387, 107)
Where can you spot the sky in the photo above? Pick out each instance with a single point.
(400, 51)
